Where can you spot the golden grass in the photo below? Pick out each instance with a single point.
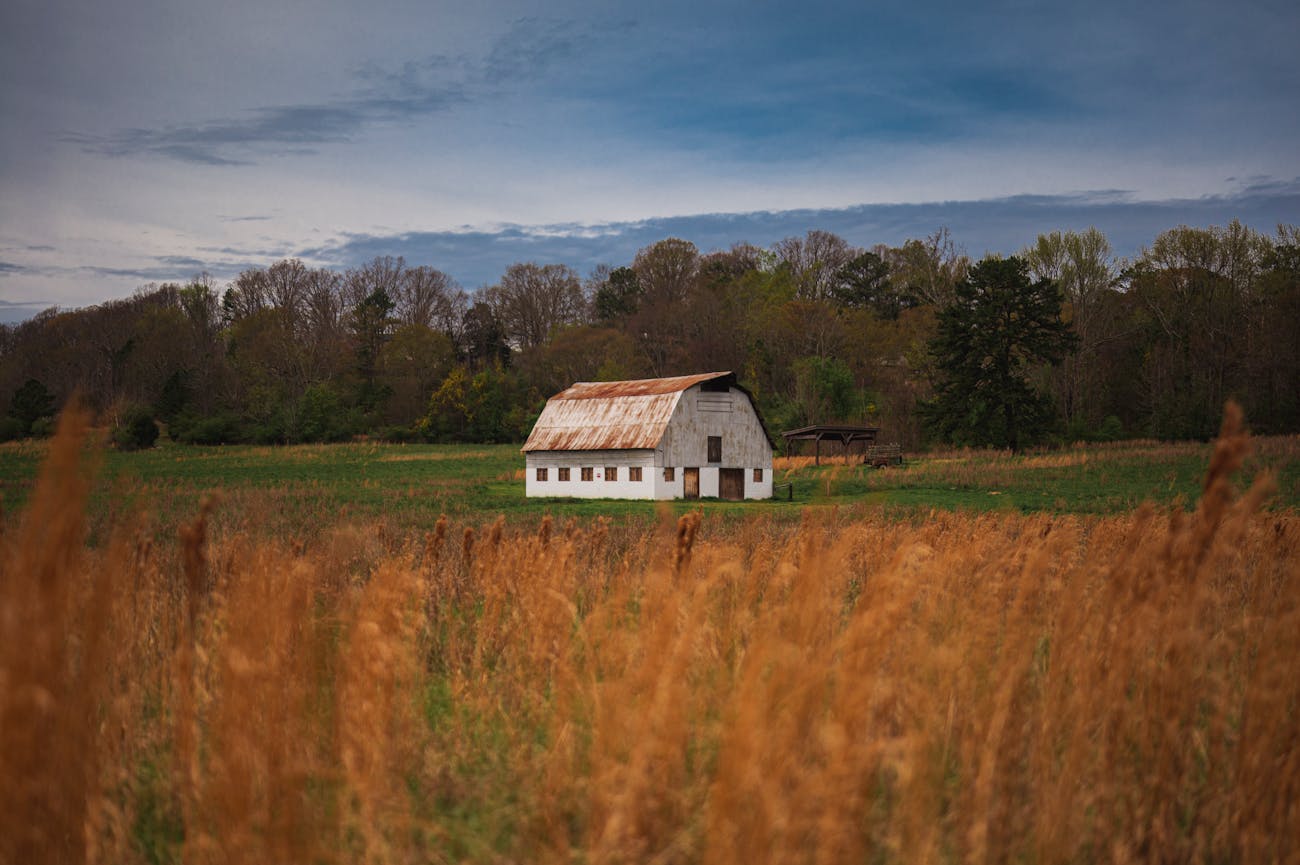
(959, 688)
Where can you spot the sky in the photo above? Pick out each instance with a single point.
(146, 141)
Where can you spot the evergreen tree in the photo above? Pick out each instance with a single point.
(998, 329)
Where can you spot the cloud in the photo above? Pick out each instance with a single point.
(13, 312)
(1005, 225)
(414, 90)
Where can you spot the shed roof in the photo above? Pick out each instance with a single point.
(614, 415)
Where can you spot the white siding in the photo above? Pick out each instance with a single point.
(597, 461)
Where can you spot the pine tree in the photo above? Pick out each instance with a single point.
(999, 328)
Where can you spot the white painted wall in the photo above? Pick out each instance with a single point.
(697, 416)
(598, 487)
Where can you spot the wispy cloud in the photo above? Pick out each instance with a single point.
(413, 90)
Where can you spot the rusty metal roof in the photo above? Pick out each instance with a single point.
(611, 415)
(637, 387)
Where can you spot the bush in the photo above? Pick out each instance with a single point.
(1111, 429)
(213, 430)
(11, 428)
(43, 427)
(135, 430)
(400, 434)
(322, 417)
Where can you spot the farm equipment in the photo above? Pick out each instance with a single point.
(883, 456)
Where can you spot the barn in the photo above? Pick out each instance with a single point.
(688, 436)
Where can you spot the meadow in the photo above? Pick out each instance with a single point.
(283, 491)
(380, 654)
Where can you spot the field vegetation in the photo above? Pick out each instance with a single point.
(295, 490)
(855, 684)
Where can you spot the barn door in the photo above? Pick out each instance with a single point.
(691, 483)
(731, 484)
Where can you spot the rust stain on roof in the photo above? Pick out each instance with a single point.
(636, 387)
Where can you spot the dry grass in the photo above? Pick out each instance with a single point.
(962, 688)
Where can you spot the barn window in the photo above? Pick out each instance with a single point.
(541, 474)
(715, 449)
(564, 474)
(588, 473)
(758, 476)
(611, 473)
(670, 473)
(634, 473)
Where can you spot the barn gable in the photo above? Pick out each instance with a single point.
(620, 415)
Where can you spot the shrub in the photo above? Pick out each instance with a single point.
(135, 430)
(11, 428)
(223, 428)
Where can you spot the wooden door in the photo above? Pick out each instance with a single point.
(731, 484)
(691, 483)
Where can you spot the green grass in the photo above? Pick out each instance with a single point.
(410, 485)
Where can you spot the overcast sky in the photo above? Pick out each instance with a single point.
(148, 140)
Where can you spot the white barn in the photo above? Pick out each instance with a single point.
(689, 436)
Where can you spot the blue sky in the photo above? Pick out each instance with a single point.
(147, 141)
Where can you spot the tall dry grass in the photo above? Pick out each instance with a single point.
(956, 688)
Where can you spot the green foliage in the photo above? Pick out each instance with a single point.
(175, 394)
(618, 296)
(865, 283)
(998, 330)
(215, 429)
(135, 429)
(320, 417)
(825, 391)
(11, 428)
(30, 402)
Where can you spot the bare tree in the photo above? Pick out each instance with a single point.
(666, 279)
(424, 296)
(286, 288)
(665, 271)
(383, 273)
(533, 299)
(929, 269)
(815, 262)
(246, 295)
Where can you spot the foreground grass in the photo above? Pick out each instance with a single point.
(916, 687)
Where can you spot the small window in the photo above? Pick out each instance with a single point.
(611, 473)
(634, 473)
(564, 474)
(670, 473)
(587, 473)
(715, 449)
(541, 474)
(758, 476)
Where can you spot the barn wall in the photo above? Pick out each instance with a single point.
(731, 415)
(598, 488)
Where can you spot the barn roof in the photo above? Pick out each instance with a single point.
(614, 415)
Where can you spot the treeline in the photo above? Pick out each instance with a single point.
(820, 330)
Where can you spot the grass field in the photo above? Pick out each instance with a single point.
(290, 490)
